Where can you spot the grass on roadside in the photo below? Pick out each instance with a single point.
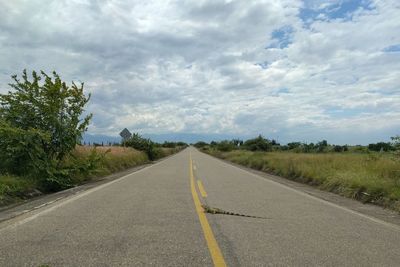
(15, 188)
(107, 160)
(373, 178)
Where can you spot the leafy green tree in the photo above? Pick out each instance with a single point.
(321, 146)
(293, 145)
(46, 116)
(381, 146)
(258, 144)
(21, 150)
(307, 148)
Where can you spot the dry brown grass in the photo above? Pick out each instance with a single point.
(112, 150)
(111, 159)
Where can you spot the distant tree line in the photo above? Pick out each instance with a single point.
(261, 143)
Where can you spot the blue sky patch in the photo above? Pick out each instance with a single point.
(264, 65)
(283, 91)
(281, 37)
(337, 112)
(343, 9)
(392, 48)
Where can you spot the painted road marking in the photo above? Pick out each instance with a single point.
(203, 192)
(215, 251)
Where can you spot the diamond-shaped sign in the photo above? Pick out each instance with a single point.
(125, 134)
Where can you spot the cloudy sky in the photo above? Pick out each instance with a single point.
(290, 70)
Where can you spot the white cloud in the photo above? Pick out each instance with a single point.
(205, 66)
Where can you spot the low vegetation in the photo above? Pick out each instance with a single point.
(356, 172)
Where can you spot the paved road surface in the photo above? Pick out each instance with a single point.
(154, 217)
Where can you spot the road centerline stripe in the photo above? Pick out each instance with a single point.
(203, 192)
(215, 251)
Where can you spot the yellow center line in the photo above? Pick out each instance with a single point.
(203, 192)
(215, 251)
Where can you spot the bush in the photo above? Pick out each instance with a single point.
(143, 144)
(21, 150)
(200, 144)
(381, 146)
(258, 144)
(293, 145)
(225, 146)
(337, 148)
(40, 123)
(321, 146)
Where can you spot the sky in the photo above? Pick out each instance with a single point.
(289, 70)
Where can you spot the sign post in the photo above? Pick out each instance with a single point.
(125, 134)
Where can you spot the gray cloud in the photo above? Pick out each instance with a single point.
(213, 66)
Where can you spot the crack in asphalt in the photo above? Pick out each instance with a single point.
(212, 210)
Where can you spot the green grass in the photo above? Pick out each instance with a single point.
(14, 188)
(373, 178)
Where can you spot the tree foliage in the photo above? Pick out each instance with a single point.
(40, 123)
(258, 144)
(200, 144)
(381, 146)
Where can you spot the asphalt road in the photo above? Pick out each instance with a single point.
(153, 217)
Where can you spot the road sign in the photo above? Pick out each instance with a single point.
(125, 134)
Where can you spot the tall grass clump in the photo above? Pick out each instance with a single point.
(101, 161)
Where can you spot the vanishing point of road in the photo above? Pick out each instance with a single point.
(154, 217)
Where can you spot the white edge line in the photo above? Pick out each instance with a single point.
(71, 199)
(391, 225)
